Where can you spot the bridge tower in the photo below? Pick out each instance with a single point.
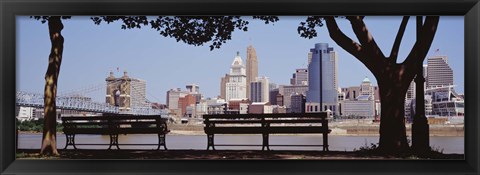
(119, 91)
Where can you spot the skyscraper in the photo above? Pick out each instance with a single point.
(236, 88)
(223, 86)
(259, 90)
(327, 74)
(439, 72)
(252, 66)
(300, 77)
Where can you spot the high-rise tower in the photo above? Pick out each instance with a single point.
(252, 66)
(236, 87)
(323, 68)
(439, 72)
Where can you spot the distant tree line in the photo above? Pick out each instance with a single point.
(34, 125)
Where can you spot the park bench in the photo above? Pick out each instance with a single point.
(266, 124)
(114, 125)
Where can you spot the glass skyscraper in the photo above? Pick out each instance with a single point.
(327, 74)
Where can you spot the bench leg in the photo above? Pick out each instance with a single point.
(161, 141)
(210, 141)
(265, 142)
(325, 141)
(70, 140)
(113, 141)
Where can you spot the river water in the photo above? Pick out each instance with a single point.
(448, 144)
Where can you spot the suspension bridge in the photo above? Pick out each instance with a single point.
(76, 100)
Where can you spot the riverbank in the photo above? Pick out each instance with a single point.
(340, 129)
(217, 155)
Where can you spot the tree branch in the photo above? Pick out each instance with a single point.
(348, 44)
(396, 45)
(422, 45)
(365, 37)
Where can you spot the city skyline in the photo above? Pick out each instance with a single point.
(91, 52)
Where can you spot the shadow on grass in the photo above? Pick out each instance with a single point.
(363, 154)
(433, 153)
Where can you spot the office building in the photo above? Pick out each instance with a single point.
(439, 72)
(260, 108)
(361, 105)
(325, 76)
(288, 91)
(194, 90)
(259, 90)
(252, 66)
(300, 77)
(188, 100)
(273, 96)
(223, 86)
(236, 87)
(298, 103)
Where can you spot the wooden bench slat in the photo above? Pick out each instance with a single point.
(234, 130)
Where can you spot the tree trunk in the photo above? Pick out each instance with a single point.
(393, 138)
(49, 139)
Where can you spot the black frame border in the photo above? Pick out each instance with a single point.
(10, 8)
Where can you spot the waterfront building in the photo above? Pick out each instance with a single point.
(173, 96)
(126, 92)
(446, 102)
(216, 106)
(360, 101)
(300, 77)
(252, 66)
(351, 93)
(236, 87)
(311, 107)
(260, 108)
(439, 73)
(194, 90)
(201, 108)
(259, 90)
(238, 106)
(280, 100)
(411, 92)
(361, 107)
(223, 86)
(273, 96)
(288, 90)
(26, 113)
(298, 103)
(188, 100)
(327, 74)
(276, 109)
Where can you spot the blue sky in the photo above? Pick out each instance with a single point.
(92, 51)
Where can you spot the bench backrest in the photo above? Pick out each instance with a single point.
(269, 118)
(274, 123)
(114, 124)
